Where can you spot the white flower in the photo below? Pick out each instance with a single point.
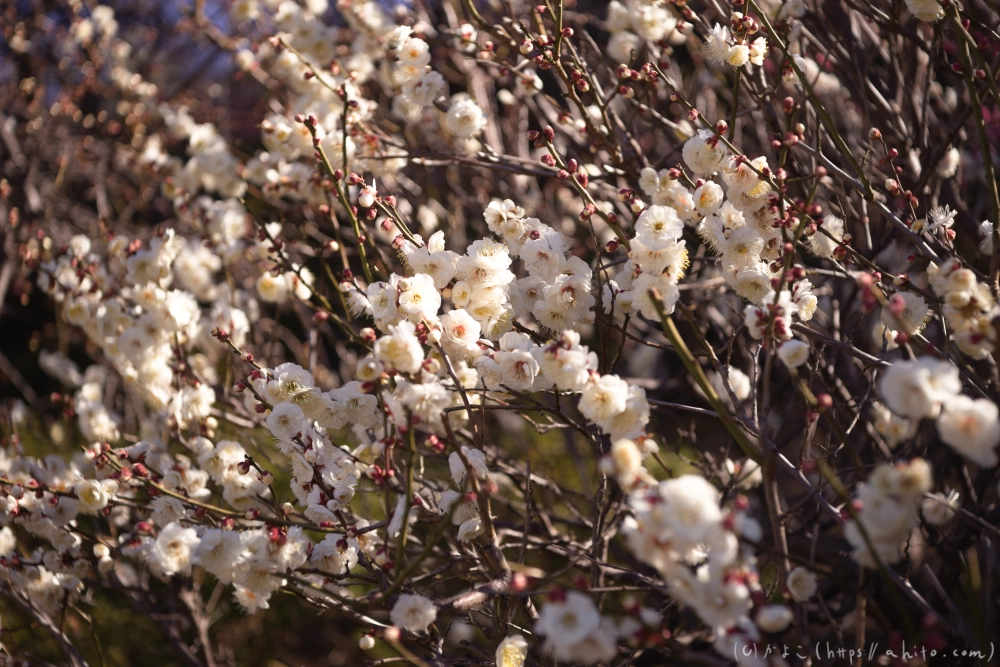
(801, 584)
(888, 511)
(64, 511)
(986, 244)
(948, 165)
(773, 618)
(424, 91)
(893, 428)
(286, 421)
(716, 45)
(413, 53)
(794, 353)
(938, 509)
(489, 256)
(658, 224)
(915, 389)
(218, 552)
(94, 495)
(251, 600)
(625, 463)
(738, 55)
(420, 297)
(821, 244)
(512, 651)
(476, 459)
(8, 542)
(500, 216)
(704, 153)
(746, 475)
(171, 552)
(619, 17)
(621, 45)
(603, 398)
(166, 509)
(366, 198)
(567, 623)
(758, 50)
(400, 349)
(905, 311)
(517, 368)
(413, 613)
(972, 428)
(926, 10)
(459, 335)
(941, 218)
(708, 198)
(465, 119)
(740, 383)
(568, 369)
(753, 282)
(271, 288)
(329, 557)
(79, 245)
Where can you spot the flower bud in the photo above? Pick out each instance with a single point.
(104, 565)
(366, 199)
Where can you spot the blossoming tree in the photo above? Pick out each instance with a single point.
(650, 333)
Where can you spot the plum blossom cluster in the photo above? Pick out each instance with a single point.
(928, 388)
(679, 528)
(888, 502)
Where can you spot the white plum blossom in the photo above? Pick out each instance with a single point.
(413, 613)
(972, 428)
(512, 651)
(801, 584)
(465, 119)
(173, 549)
